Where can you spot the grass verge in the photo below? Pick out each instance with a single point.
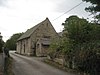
(8, 66)
(59, 66)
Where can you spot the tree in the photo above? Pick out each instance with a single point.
(94, 8)
(82, 45)
(11, 43)
(1, 45)
(76, 36)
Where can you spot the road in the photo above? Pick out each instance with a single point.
(23, 65)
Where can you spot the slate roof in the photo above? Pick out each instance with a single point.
(28, 33)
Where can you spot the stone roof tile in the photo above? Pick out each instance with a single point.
(28, 33)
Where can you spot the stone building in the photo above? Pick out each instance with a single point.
(36, 40)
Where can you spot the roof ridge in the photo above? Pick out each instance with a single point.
(29, 32)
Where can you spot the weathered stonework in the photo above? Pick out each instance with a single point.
(36, 41)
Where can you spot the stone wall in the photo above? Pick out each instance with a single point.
(45, 30)
(23, 47)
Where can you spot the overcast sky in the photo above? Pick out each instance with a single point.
(19, 15)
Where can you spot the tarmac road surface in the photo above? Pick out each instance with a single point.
(23, 65)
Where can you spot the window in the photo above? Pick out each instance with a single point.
(46, 36)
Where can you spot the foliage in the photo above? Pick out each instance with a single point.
(82, 45)
(94, 8)
(8, 66)
(1, 45)
(11, 43)
(55, 48)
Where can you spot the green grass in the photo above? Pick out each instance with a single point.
(8, 65)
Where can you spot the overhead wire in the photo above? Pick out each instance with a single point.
(68, 11)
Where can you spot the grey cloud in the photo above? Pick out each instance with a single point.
(2, 2)
(65, 5)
